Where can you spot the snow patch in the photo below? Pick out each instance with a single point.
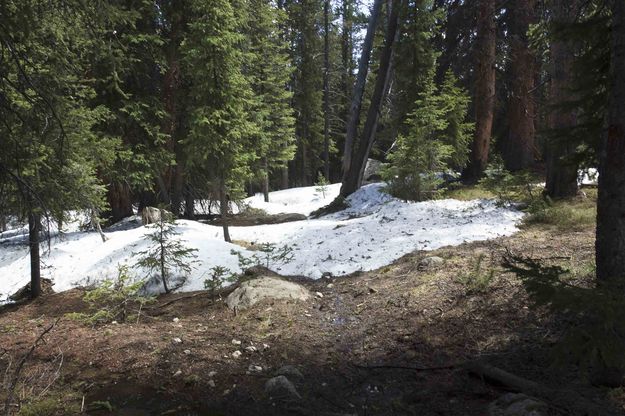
(376, 230)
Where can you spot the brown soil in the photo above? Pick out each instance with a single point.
(397, 316)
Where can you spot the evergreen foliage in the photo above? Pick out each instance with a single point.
(595, 334)
(436, 140)
(166, 254)
(117, 300)
(220, 146)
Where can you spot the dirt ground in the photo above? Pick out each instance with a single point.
(357, 346)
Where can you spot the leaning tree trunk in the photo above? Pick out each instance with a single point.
(359, 89)
(561, 181)
(610, 243)
(519, 148)
(34, 228)
(484, 97)
(352, 180)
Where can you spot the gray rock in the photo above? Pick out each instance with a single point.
(290, 371)
(431, 262)
(372, 171)
(513, 404)
(281, 388)
(255, 290)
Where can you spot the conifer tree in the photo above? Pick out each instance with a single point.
(219, 145)
(269, 72)
(47, 128)
(437, 138)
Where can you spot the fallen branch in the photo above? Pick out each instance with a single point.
(402, 367)
(571, 401)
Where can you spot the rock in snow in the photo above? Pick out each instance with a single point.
(253, 291)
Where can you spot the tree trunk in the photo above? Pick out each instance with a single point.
(561, 181)
(326, 89)
(352, 179)
(189, 203)
(266, 181)
(519, 149)
(119, 200)
(359, 87)
(34, 228)
(610, 243)
(224, 208)
(173, 179)
(484, 97)
(285, 177)
(162, 253)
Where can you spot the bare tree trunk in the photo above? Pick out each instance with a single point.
(285, 177)
(326, 89)
(359, 87)
(34, 228)
(266, 181)
(352, 179)
(189, 203)
(119, 200)
(224, 208)
(561, 179)
(484, 90)
(519, 150)
(610, 243)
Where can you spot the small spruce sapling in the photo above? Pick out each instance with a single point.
(271, 255)
(219, 274)
(166, 252)
(322, 185)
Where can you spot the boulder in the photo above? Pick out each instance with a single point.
(372, 171)
(431, 262)
(513, 404)
(290, 371)
(151, 215)
(281, 388)
(255, 290)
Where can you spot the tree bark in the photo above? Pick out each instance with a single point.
(352, 180)
(326, 89)
(34, 228)
(224, 208)
(120, 201)
(561, 181)
(519, 150)
(266, 181)
(484, 97)
(359, 87)
(189, 203)
(610, 243)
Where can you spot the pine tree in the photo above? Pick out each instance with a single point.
(436, 139)
(306, 56)
(220, 146)
(50, 146)
(269, 73)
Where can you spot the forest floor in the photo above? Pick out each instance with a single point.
(349, 345)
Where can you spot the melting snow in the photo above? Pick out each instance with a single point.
(376, 230)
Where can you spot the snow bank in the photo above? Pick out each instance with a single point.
(376, 230)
